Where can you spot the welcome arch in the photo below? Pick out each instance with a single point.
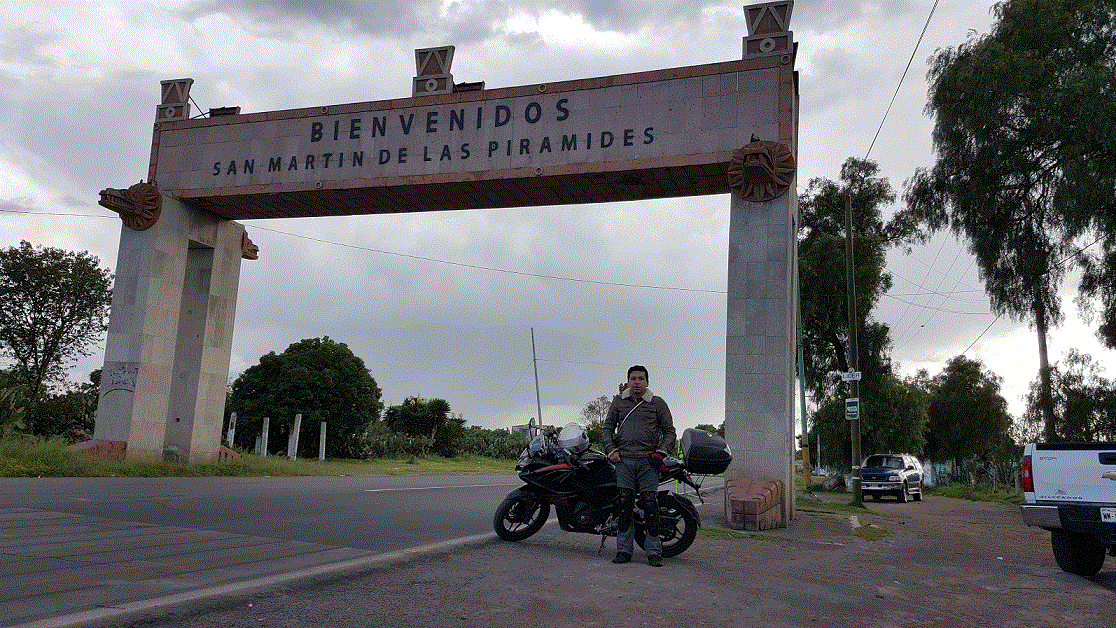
(706, 129)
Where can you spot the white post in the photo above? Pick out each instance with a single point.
(263, 436)
(232, 428)
(292, 443)
(321, 444)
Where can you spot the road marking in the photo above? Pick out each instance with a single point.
(432, 488)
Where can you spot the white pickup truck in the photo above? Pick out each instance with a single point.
(1070, 489)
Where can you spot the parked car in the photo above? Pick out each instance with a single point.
(891, 474)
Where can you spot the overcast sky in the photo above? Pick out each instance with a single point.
(442, 304)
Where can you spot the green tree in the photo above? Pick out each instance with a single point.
(708, 427)
(54, 306)
(893, 419)
(1084, 400)
(318, 378)
(430, 418)
(13, 404)
(69, 413)
(594, 414)
(1025, 121)
(821, 266)
(968, 416)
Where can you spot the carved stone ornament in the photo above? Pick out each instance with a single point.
(761, 171)
(248, 249)
(139, 206)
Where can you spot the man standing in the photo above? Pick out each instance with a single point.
(638, 434)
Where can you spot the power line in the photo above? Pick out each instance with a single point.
(16, 211)
(981, 334)
(1058, 263)
(494, 269)
(936, 309)
(429, 259)
(655, 366)
(905, 70)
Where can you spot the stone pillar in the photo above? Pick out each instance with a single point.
(170, 336)
(760, 347)
(759, 360)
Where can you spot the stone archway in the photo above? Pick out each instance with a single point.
(705, 129)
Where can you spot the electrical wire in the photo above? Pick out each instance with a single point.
(494, 269)
(905, 70)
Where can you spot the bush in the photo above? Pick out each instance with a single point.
(477, 441)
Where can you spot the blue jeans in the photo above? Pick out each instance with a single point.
(639, 476)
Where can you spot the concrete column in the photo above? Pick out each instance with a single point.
(232, 428)
(263, 435)
(321, 443)
(759, 364)
(292, 442)
(170, 336)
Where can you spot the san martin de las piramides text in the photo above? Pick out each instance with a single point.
(432, 123)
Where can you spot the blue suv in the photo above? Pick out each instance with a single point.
(892, 474)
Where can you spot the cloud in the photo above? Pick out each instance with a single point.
(275, 19)
(76, 117)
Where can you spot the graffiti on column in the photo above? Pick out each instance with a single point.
(120, 377)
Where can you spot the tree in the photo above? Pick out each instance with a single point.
(430, 418)
(594, 414)
(69, 413)
(893, 418)
(1024, 124)
(708, 427)
(968, 416)
(13, 405)
(54, 305)
(821, 265)
(1083, 399)
(318, 378)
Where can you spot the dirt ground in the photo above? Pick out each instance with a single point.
(947, 563)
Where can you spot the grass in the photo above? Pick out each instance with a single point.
(872, 532)
(715, 532)
(33, 457)
(977, 493)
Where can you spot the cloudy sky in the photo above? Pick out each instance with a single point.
(442, 304)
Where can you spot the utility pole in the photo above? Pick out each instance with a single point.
(538, 403)
(852, 412)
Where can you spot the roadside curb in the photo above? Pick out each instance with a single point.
(155, 607)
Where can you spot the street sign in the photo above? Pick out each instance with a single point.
(851, 376)
(852, 408)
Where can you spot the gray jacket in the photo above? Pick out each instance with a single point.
(647, 428)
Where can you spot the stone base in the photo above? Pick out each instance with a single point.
(227, 455)
(116, 450)
(108, 449)
(752, 504)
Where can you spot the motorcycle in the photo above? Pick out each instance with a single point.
(580, 483)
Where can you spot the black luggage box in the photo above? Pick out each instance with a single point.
(704, 453)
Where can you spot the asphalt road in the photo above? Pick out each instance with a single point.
(377, 514)
(80, 550)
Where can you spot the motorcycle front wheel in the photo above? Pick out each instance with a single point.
(677, 527)
(520, 515)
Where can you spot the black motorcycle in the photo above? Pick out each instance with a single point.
(580, 482)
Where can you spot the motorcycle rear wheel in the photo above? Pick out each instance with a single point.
(519, 516)
(677, 527)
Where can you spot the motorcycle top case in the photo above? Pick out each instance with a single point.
(704, 453)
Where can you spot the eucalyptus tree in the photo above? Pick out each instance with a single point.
(1025, 121)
